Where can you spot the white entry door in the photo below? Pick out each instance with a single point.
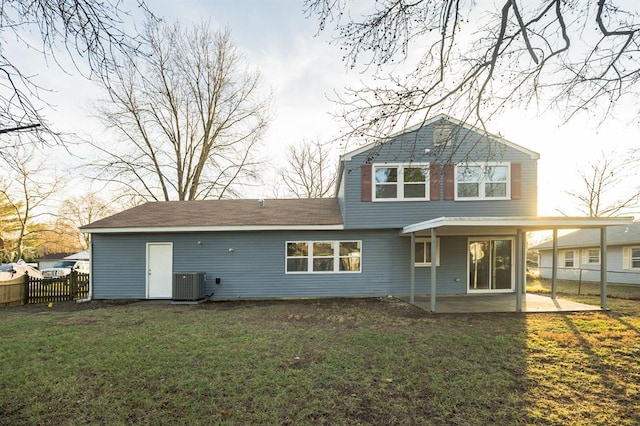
(159, 270)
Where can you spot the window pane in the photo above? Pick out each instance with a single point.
(468, 174)
(594, 256)
(635, 257)
(297, 265)
(323, 264)
(415, 174)
(386, 174)
(414, 190)
(496, 173)
(323, 248)
(419, 252)
(468, 190)
(495, 190)
(297, 249)
(349, 248)
(386, 191)
(350, 264)
(568, 259)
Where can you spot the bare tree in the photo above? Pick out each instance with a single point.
(479, 58)
(310, 173)
(609, 188)
(79, 211)
(24, 196)
(88, 31)
(187, 116)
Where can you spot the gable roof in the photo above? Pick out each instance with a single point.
(616, 235)
(223, 215)
(438, 118)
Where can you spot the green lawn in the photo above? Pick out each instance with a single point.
(362, 361)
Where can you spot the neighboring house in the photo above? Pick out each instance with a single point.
(442, 193)
(579, 255)
(47, 261)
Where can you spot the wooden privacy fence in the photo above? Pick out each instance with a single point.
(24, 290)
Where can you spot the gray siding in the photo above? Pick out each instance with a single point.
(616, 273)
(255, 268)
(411, 147)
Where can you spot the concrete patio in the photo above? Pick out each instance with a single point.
(477, 303)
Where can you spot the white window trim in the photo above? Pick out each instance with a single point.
(627, 259)
(562, 260)
(428, 264)
(585, 256)
(336, 257)
(481, 187)
(400, 183)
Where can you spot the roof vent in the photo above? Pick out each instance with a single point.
(261, 203)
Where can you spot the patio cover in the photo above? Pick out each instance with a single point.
(518, 226)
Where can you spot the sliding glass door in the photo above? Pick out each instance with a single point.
(490, 264)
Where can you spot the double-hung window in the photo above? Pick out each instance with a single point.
(631, 257)
(482, 181)
(323, 256)
(569, 259)
(400, 182)
(592, 256)
(423, 252)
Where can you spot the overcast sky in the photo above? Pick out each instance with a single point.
(303, 70)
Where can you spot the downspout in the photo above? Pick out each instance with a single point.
(90, 295)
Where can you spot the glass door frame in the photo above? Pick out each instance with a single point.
(511, 289)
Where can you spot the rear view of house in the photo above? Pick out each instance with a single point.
(442, 203)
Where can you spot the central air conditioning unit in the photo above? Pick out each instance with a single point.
(189, 287)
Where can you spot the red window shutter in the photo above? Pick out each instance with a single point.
(365, 182)
(449, 181)
(516, 181)
(434, 181)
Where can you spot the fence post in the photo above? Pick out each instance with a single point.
(73, 284)
(580, 282)
(25, 299)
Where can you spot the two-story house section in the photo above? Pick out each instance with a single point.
(442, 208)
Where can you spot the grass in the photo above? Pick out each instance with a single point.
(362, 361)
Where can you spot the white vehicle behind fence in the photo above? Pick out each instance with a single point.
(64, 268)
(11, 271)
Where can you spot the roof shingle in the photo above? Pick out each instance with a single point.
(206, 213)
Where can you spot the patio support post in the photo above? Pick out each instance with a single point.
(518, 270)
(524, 265)
(413, 267)
(603, 268)
(554, 265)
(434, 243)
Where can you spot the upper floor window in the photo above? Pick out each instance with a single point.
(482, 181)
(323, 256)
(401, 182)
